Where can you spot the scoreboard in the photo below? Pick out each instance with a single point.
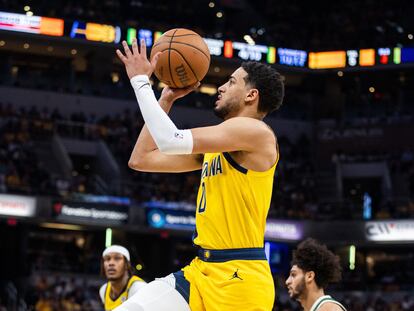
(113, 34)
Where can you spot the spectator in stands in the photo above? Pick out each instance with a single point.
(122, 283)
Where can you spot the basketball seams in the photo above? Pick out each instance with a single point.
(178, 36)
(189, 66)
(188, 44)
(169, 59)
(183, 43)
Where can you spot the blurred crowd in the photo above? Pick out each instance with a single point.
(380, 25)
(296, 192)
(63, 294)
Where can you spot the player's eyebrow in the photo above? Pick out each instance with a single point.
(232, 77)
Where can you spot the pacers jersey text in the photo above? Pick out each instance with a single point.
(232, 204)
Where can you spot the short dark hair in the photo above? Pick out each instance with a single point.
(310, 255)
(269, 82)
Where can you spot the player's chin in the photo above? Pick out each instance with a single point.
(113, 277)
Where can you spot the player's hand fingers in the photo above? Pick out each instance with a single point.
(154, 60)
(126, 49)
(143, 48)
(135, 47)
(184, 91)
(121, 56)
(191, 88)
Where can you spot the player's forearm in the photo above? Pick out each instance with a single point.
(145, 143)
(164, 133)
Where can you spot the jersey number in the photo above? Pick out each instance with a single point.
(203, 200)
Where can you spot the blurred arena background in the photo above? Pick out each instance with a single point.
(69, 119)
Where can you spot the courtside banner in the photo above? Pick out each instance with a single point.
(284, 230)
(170, 219)
(86, 213)
(17, 205)
(390, 231)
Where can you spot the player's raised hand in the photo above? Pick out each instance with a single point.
(136, 61)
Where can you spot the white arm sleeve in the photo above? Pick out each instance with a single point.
(102, 292)
(135, 287)
(167, 137)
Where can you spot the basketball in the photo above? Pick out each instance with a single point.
(184, 58)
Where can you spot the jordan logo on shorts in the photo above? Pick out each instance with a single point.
(236, 275)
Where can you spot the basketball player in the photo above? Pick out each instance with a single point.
(237, 159)
(313, 268)
(122, 283)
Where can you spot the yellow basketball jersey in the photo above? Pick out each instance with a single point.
(232, 204)
(112, 304)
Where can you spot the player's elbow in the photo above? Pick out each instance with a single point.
(137, 164)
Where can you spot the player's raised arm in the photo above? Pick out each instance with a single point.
(235, 134)
(148, 155)
(240, 104)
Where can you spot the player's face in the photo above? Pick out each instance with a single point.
(231, 95)
(114, 266)
(296, 283)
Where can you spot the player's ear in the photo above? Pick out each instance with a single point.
(309, 276)
(251, 96)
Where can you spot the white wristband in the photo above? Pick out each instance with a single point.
(167, 137)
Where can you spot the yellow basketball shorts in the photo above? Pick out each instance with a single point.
(227, 280)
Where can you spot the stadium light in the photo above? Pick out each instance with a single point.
(208, 89)
(352, 252)
(108, 237)
(219, 14)
(249, 39)
(26, 8)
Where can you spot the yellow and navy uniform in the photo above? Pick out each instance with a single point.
(232, 206)
(110, 304)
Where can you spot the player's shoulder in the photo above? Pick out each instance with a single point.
(136, 285)
(331, 306)
(136, 278)
(102, 291)
(250, 124)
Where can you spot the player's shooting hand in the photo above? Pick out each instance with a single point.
(136, 61)
(170, 94)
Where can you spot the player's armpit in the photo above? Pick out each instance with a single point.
(235, 134)
(155, 161)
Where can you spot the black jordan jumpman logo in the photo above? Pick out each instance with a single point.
(236, 275)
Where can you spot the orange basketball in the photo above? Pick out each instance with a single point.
(184, 58)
